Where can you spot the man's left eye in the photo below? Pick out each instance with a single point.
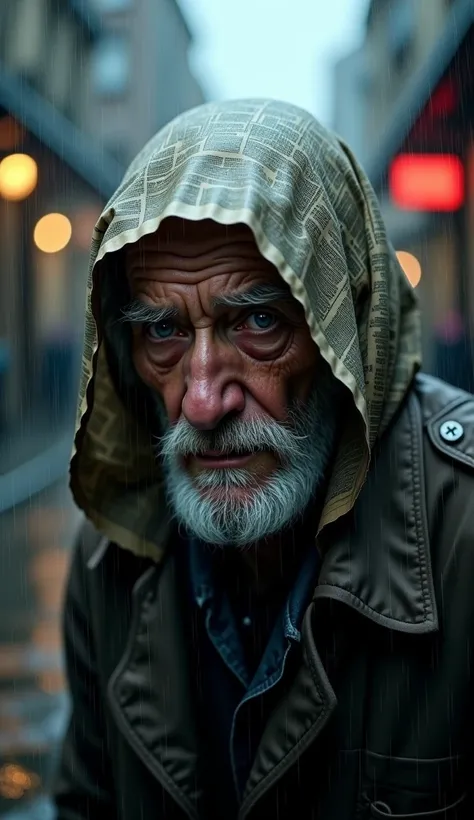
(261, 320)
(160, 330)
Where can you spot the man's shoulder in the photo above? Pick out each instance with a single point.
(436, 395)
(95, 551)
(447, 415)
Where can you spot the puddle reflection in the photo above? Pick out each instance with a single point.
(35, 550)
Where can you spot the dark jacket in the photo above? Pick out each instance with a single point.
(378, 721)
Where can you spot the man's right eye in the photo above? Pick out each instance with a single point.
(157, 331)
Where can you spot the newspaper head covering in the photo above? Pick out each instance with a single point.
(274, 168)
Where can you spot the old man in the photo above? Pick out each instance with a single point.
(269, 612)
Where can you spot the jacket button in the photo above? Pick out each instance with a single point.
(451, 431)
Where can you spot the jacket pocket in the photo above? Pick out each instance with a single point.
(452, 812)
(415, 788)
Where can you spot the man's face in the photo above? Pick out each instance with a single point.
(219, 339)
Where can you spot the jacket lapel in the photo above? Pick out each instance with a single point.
(295, 724)
(149, 692)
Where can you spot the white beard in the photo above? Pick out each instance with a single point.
(227, 517)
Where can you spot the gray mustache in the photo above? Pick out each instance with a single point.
(234, 436)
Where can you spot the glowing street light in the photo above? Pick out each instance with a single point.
(18, 177)
(52, 233)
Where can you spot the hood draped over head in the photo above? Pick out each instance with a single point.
(314, 216)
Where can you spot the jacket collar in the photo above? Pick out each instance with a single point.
(378, 560)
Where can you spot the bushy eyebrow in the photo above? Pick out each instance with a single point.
(254, 296)
(140, 313)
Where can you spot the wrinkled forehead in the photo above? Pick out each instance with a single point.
(185, 237)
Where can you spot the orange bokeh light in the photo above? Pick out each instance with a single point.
(52, 233)
(410, 266)
(18, 177)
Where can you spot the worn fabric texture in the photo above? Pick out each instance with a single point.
(313, 213)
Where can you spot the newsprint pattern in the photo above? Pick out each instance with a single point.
(314, 215)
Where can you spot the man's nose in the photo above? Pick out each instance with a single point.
(211, 390)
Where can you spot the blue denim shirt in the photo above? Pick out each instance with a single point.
(229, 696)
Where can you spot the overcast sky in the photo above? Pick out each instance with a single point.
(273, 48)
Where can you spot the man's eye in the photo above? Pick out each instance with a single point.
(261, 320)
(160, 330)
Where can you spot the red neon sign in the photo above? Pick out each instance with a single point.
(427, 182)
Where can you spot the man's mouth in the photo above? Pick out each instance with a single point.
(214, 459)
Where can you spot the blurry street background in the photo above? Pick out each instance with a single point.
(83, 85)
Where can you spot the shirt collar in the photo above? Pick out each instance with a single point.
(203, 587)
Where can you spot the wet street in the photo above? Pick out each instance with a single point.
(35, 542)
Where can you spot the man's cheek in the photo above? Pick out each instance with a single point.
(145, 370)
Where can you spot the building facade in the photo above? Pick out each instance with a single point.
(54, 179)
(140, 77)
(351, 96)
(400, 37)
(83, 85)
(417, 122)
